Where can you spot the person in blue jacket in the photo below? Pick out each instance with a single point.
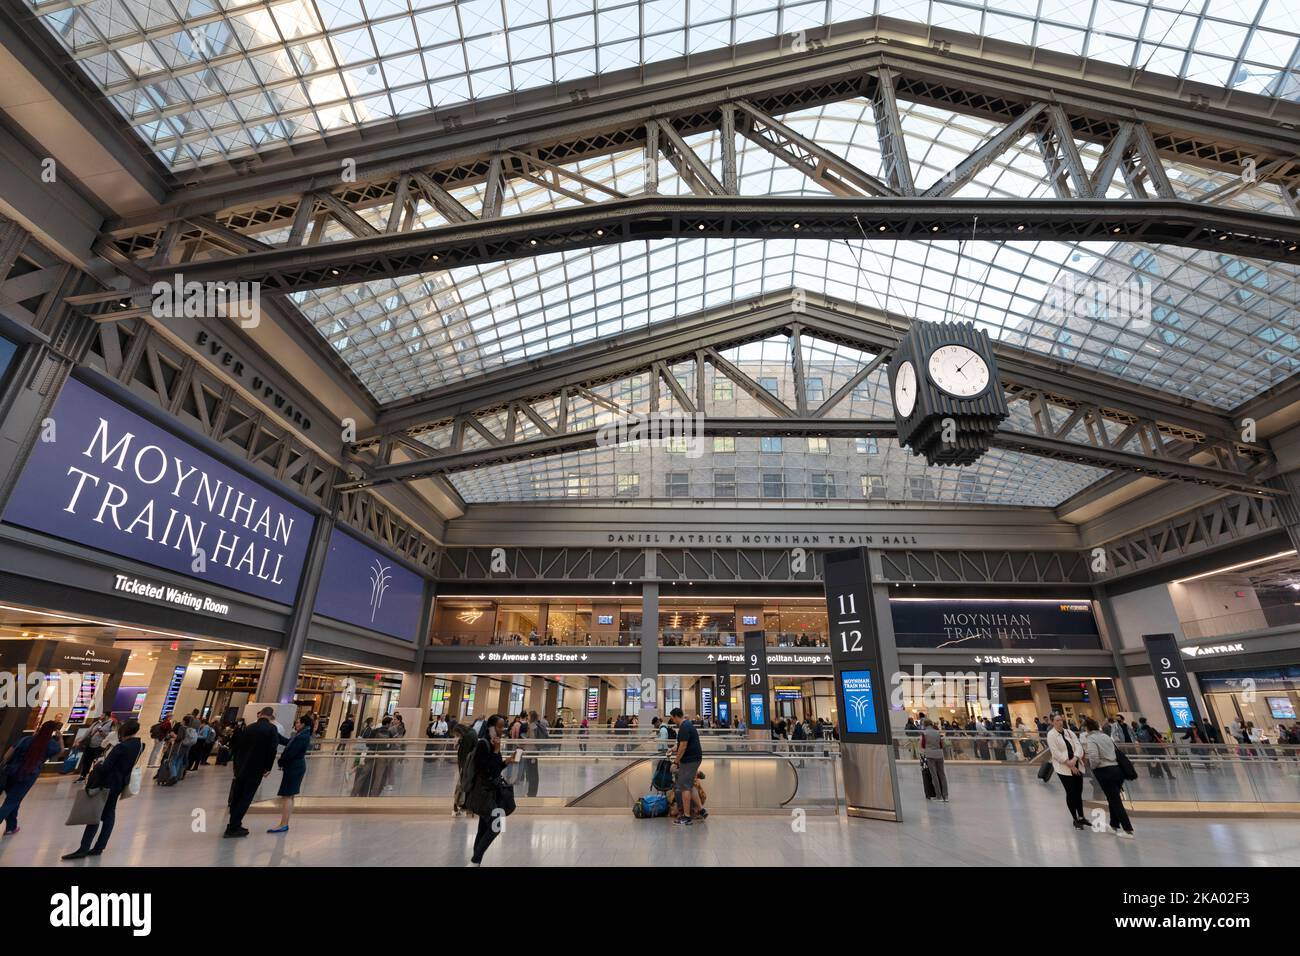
(22, 765)
(293, 761)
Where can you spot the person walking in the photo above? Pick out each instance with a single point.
(253, 756)
(1067, 761)
(488, 765)
(1100, 755)
(345, 732)
(538, 729)
(932, 750)
(113, 775)
(22, 766)
(93, 744)
(466, 741)
(293, 761)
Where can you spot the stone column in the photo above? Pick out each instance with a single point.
(649, 648)
(482, 690)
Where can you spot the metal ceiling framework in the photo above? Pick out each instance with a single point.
(1070, 416)
(294, 232)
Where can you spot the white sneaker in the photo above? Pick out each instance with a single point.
(1125, 835)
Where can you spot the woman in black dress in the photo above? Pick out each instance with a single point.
(293, 761)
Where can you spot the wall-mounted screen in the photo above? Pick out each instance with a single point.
(1281, 708)
(748, 619)
(859, 698)
(604, 618)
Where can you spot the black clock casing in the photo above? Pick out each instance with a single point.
(975, 419)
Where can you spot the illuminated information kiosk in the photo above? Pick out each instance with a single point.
(861, 689)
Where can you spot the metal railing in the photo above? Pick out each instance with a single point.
(603, 770)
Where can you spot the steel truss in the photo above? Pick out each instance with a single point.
(543, 564)
(915, 566)
(1217, 524)
(135, 354)
(500, 417)
(330, 233)
(754, 565)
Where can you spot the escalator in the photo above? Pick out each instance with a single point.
(754, 781)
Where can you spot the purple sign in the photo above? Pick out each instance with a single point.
(115, 482)
(363, 587)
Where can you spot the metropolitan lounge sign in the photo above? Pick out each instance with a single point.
(115, 482)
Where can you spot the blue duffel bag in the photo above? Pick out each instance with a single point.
(651, 805)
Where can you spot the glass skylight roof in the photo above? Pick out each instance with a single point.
(208, 80)
(1216, 328)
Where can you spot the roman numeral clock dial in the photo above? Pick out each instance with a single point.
(948, 402)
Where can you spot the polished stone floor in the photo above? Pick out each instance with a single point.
(998, 816)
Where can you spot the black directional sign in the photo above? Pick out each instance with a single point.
(862, 690)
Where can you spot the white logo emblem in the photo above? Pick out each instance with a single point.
(380, 578)
(859, 705)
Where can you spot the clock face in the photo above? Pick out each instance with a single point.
(905, 389)
(958, 371)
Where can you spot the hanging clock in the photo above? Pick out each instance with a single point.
(948, 401)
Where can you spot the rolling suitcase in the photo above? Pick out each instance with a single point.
(926, 780)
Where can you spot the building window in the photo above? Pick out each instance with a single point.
(819, 446)
(823, 486)
(862, 393)
(724, 484)
(679, 484)
(723, 390)
(679, 446)
(813, 389)
(630, 446)
(577, 486)
(770, 444)
(629, 486)
(770, 385)
(724, 444)
(867, 446)
(873, 486)
(919, 488)
(773, 484)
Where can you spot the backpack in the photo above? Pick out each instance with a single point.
(539, 731)
(663, 778)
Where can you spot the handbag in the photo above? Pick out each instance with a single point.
(504, 796)
(1125, 765)
(1045, 771)
(132, 787)
(87, 807)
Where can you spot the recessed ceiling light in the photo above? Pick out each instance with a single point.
(796, 225)
(882, 228)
